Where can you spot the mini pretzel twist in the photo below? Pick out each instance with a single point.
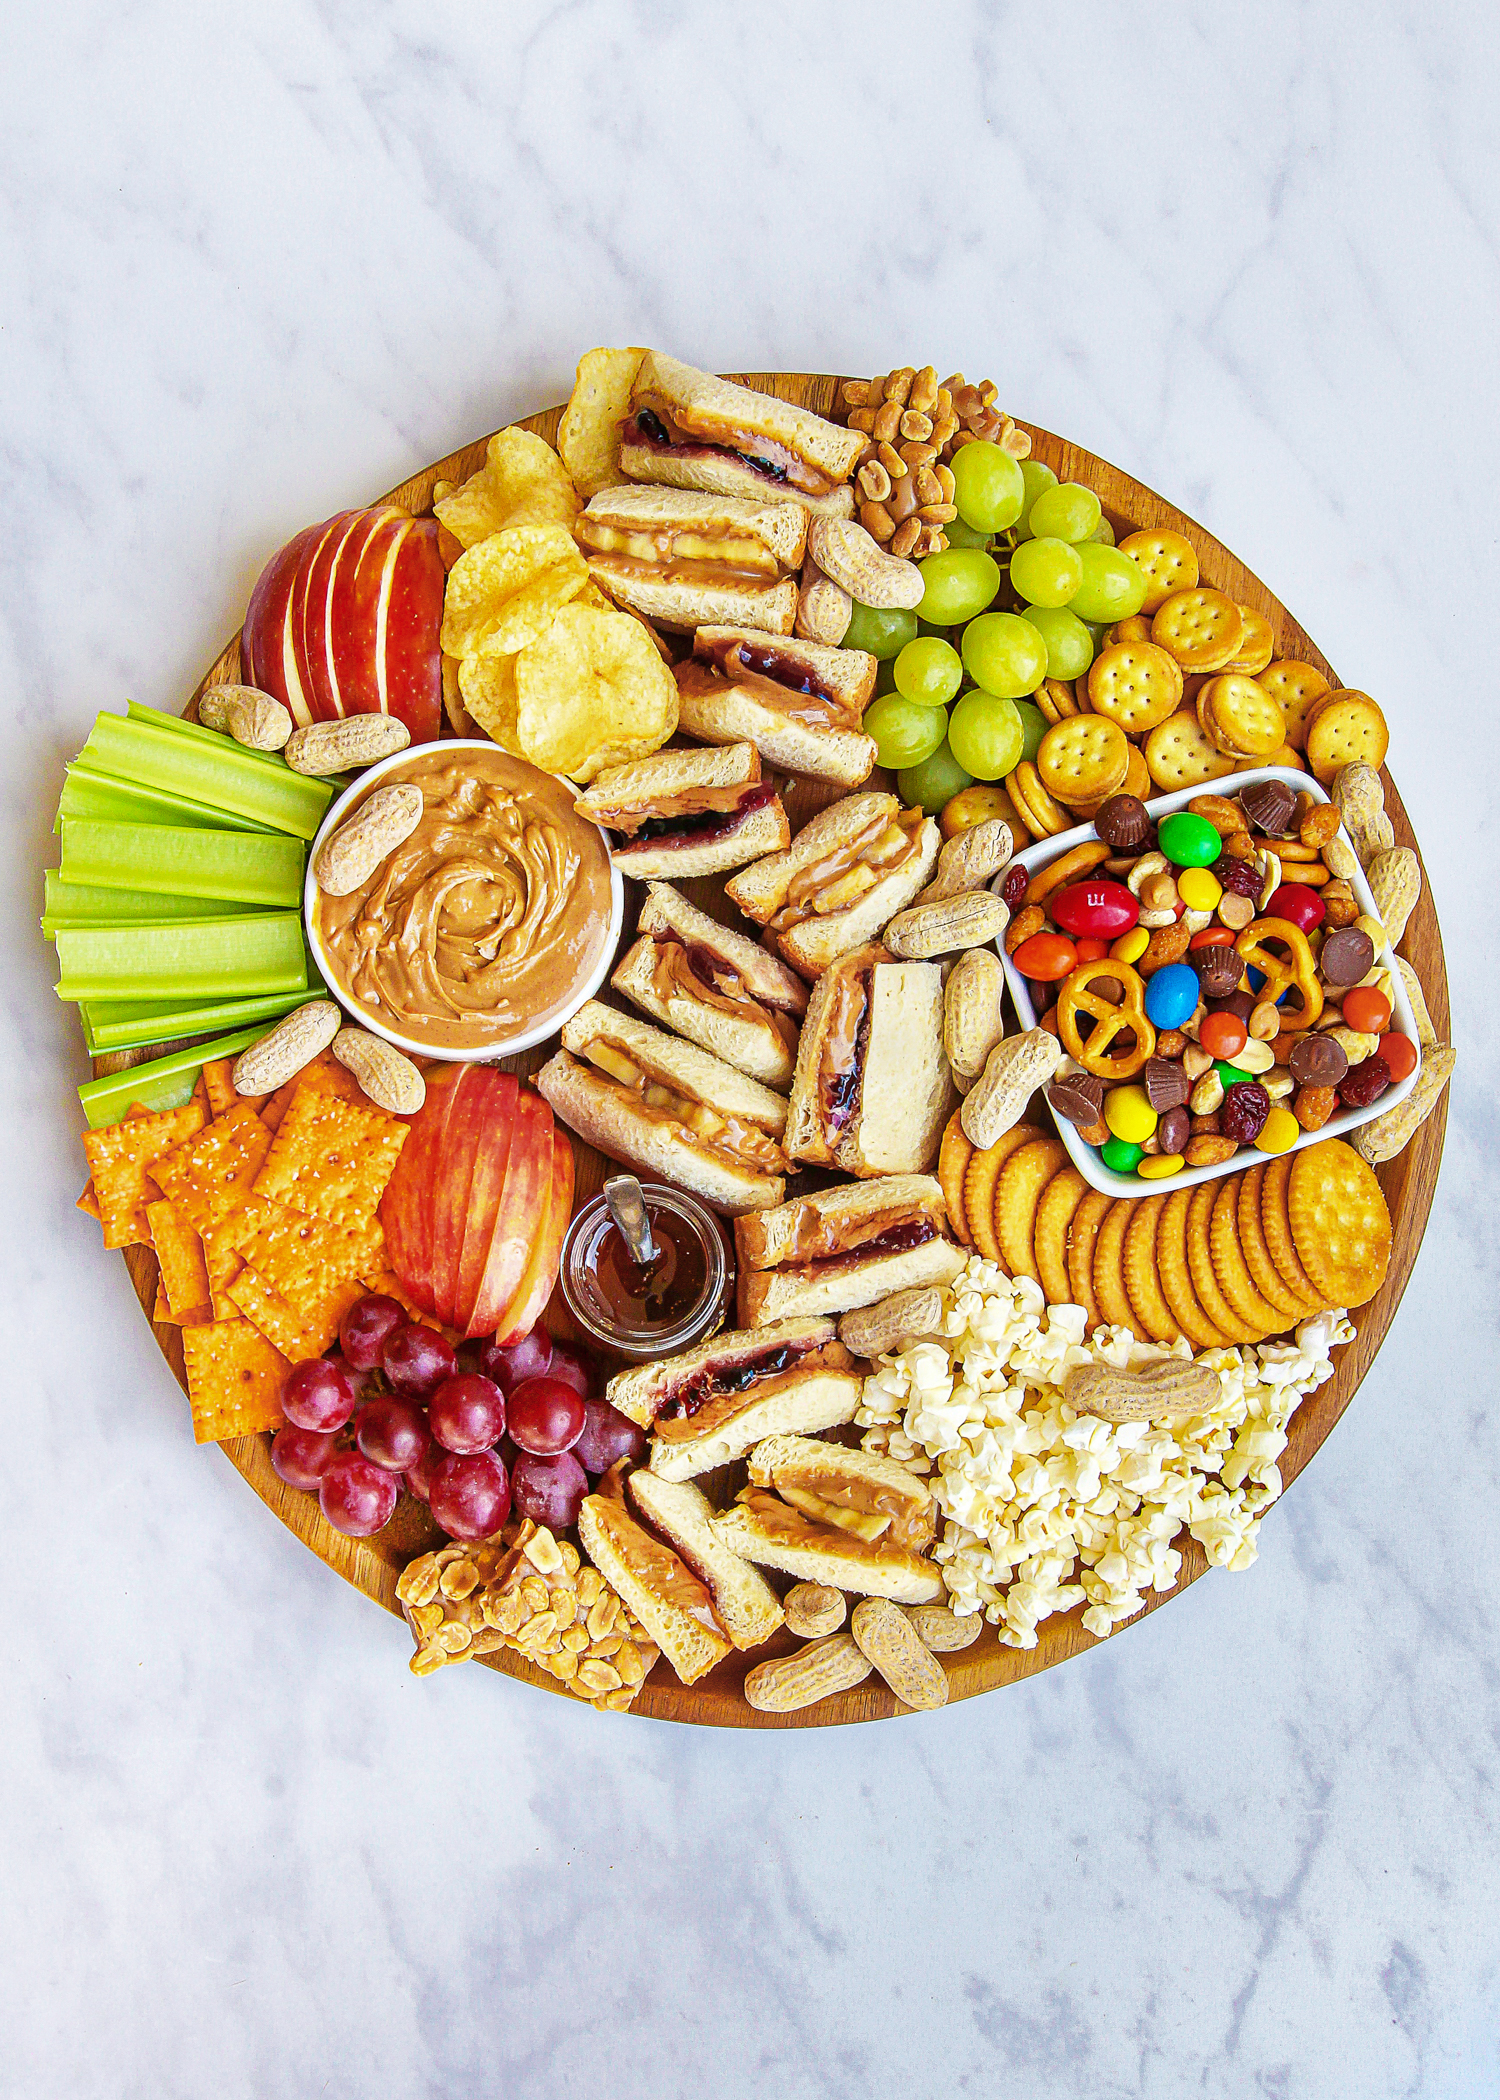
(1076, 998)
(1296, 972)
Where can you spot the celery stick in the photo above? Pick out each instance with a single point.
(124, 1024)
(97, 798)
(78, 904)
(246, 867)
(164, 1083)
(216, 957)
(216, 738)
(221, 774)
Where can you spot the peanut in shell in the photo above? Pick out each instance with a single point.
(789, 1682)
(858, 564)
(385, 1073)
(348, 860)
(812, 1610)
(944, 1630)
(874, 1329)
(283, 1050)
(347, 745)
(885, 1635)
(970, 920)
(1155, 1392)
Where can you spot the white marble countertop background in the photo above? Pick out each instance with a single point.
(262, 262)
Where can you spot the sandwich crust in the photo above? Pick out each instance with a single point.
(720, 412)
(761, 1529)
(665, 1595)
(804, 1259)
(745, 1604)
(783, 892)
(723, 700)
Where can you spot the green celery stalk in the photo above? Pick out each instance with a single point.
(137, 711)
(167, 1082)
(191, 960)
(124, 1024)
(78, 904)
(245, 867)
(96, 798)
(222, 774)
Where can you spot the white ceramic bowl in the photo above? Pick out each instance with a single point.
(487, 1053)
(1084, 1156)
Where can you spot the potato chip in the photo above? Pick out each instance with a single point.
(588, 437)
(460, 721)
(487, 685)
(591, 693)
(506, 591)
(522, 482)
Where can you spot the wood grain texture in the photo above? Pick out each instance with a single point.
(1409, 1180)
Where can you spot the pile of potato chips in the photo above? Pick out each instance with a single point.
(546, 665)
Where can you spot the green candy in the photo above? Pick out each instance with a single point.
(1120, 1156)
(1230, 1075)
(1188, 840)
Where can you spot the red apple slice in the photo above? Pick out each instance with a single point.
(407, 1205)
(355, 591)
(536, 1287)
(528, 1182)
(408, 644)
(340, 620)
(309, 614)
(486, 1187)
(265, 619)
(485, 1101)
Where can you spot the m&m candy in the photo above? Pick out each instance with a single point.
(1188, 840)
(1171, 995)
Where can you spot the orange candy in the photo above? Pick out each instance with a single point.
(1400, 1055)
(1046, 958)
(1223, 1034)
(1090, 948)
(1367, 1010)
(1212, 937)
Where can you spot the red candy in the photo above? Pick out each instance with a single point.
(1046, 957)
(1367, 1009)
(1103, 910)
(1400, 1055)
(1296, 902)
(1091, 950)
(1223, 1035)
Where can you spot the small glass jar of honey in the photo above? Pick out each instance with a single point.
(648, 1309)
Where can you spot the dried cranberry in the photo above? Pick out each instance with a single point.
(1243, 1111)
(1241, 876)
(1017, 883)
(1365, 1082)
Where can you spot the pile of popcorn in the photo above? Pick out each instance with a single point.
(1034, 1495)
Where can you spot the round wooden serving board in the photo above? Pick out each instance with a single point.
(373, 1565)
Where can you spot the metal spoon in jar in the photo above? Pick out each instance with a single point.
(627, 1206)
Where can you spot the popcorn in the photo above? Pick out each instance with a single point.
(1044, 1509)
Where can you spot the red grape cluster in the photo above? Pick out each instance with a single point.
(516, 1424)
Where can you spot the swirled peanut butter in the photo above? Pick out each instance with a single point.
(488, 920)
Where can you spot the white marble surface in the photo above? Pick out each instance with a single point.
(259, 262)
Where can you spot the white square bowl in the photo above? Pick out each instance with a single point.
(1084, 1156)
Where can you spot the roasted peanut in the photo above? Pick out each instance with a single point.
(813, 1610)
(283, 1050)
(887, 1638)
(790, 1682)
(376, 829)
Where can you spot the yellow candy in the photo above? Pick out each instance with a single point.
(1130, 947)
(1129, 1114)
(1199, 889)
(1279, 1132)
(1156, 1166)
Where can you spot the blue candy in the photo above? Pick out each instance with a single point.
(1171, 995)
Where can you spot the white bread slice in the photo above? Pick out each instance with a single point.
(637, 1566)
(751, 1047)
(811, 945)
(817, 1399)
(613, 1118)
(821, 1553)
(758, 1051)
(644, 1390)
(601, 1115)
(726, 713)
(773, 1294)
(776, 524)
(826, 1468)
(712, 408)
(777, 1283)
(646, 783)
(765, 830)
(729, 477)
(684, 606)
(745, 1604)
(907, 1093)
(807, 1134)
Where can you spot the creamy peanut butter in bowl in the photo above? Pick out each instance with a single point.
(487, 925)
